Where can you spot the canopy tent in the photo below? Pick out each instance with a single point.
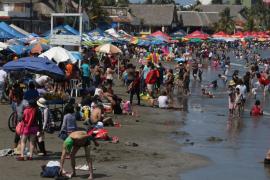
(22, 31)
(5, 35)
(112, 33)
(13, 32)
(238, 35)
(197, 35)
(58, 54)
(220, 34)
(36, 65)
(161, 35)
(17, 49)
(62, 30)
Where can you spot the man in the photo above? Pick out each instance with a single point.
(31, 93)
(3, 77)
(151, 80)
(71, 145)
(85, 75)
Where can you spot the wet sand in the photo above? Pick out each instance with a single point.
(157, 156)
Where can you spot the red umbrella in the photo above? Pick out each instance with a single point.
(263, 35)
(248, 34)
(197, 35)
(220, 34)
(163, 35)
(160, 34)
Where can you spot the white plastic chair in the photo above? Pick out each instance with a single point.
(74, 85)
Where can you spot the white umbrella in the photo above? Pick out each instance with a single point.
(59, 54)
(108, 48)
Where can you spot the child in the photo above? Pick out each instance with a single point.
(127, 108)
(231, 100)
(256, 109)
(207, 93)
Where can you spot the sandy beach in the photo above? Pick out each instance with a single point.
(155, 154)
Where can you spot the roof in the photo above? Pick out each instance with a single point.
(234, 9)
(198, 19)
(154, 14)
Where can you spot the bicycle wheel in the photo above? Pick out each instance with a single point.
(57, 116)
(12, 121)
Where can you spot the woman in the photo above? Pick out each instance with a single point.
(29, 130)
(135, 88)
(109, 76)
(69, 122)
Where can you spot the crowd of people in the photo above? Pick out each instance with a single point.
(146, 72)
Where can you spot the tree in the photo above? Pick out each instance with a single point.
(217, 2)
(238, 2)
(123, 2)
(226, 22)
(148, 2)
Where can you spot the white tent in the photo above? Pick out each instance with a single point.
(59, 54)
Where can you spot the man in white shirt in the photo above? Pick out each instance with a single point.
(3, 77)
(163, 100)
(242, 88)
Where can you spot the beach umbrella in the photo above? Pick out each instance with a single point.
(195, 40)
(197, 35)
(38, 48)
(58, 54)
(108, 48)
(36, 65)
(161, 35)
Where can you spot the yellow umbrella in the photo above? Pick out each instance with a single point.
(108, 48)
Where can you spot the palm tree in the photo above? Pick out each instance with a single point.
(226, 22)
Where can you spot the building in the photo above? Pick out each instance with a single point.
(207, 15)
(24, 14)
(193, 20)
(148, 18)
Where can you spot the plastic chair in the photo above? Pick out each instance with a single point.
(74, 86)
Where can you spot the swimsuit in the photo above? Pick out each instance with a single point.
(69, 143)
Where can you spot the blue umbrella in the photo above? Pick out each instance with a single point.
(37, 65)
(179, 60)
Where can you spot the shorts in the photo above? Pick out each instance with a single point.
(150, 87)
(32, 138)
(68, 144)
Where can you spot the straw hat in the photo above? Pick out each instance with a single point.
(231, 83)
(42, 102)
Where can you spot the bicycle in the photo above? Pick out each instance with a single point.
(12, 121)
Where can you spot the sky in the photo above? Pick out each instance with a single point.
(182, 2)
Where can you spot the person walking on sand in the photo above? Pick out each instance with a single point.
(71, 145)
(29, 130)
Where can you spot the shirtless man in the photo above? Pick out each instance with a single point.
(71, 145)
(97, 115)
